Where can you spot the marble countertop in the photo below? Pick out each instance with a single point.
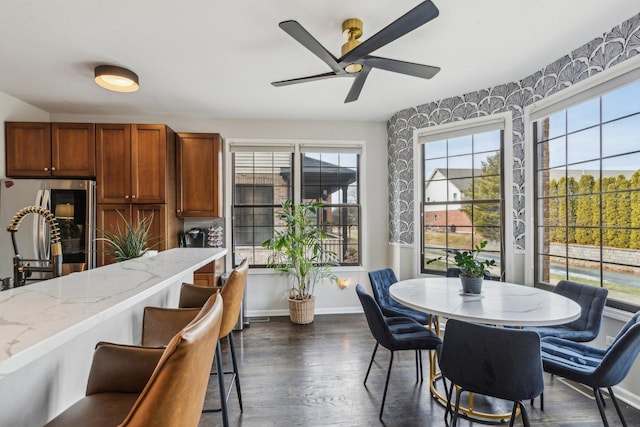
(506, 304)
(44, 315)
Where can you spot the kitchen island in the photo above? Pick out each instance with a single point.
(48, 330)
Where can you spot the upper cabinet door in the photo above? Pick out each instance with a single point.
(148, 163)
(73, 149)
(28, 149)
(113, 155)
(199, 157)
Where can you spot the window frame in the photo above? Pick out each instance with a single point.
(595, 85)
(422, 137)
(594, 91)
(297, 149)
(273, 205)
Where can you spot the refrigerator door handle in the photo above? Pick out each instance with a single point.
(45, 238)
(36, 227)
(90, 229)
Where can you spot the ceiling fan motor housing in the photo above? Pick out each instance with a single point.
(352, 31)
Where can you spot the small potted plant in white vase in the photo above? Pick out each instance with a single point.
(472, 270)
(297, 252)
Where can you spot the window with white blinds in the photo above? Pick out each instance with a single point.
(266, 175)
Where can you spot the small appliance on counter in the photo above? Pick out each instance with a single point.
(194, 238)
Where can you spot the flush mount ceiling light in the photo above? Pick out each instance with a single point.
(117, 79)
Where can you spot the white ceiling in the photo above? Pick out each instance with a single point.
(216, 58)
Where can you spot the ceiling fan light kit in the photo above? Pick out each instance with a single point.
(356, 60)
(115, 78)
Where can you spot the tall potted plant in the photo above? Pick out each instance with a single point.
(297, 252)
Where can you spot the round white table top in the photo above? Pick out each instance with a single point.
(501, 303)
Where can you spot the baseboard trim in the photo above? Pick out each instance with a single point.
(627, 397)
(319, 311)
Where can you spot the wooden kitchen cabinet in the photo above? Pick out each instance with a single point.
(135, 163)
(199, 175)
(162, 233)
(113, 163)
(209, 275)
(64, 150)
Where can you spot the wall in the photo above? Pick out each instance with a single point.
(601, 53)
(14, 110)
(266, 290)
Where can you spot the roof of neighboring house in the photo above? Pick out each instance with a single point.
(322, 178)
(461, 177)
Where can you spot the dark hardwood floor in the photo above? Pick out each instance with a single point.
(311, 375)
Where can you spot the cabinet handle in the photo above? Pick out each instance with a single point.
(126, 197)
(133, 197)
(46, 169)
(178, 211)
(53, 168)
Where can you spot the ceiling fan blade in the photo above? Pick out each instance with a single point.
(416, 17)
(356, 87)
(297, 31)
(306, 79)
(403, 67)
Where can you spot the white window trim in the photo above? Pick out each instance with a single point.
(500, 120)
(299, 145)
(619, 75)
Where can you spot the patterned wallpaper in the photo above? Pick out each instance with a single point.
(621, 43)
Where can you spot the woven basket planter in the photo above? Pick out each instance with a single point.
(301, 311)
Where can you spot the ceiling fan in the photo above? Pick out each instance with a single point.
(355, 60)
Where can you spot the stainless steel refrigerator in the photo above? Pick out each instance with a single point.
(73, 204)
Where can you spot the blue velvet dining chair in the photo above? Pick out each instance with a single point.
(381, 280)
(594, 367)
(591, 299)
(498, 362)
(394, 334)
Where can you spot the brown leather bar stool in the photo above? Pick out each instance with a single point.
(144, 386)
(194, 296)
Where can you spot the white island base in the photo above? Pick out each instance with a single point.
(48, 330)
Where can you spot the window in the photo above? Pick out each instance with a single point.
(462, 194)
(264, 179)
(259, 188)
(588, 194)
(332, 178)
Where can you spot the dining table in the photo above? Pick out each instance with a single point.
(500, 304)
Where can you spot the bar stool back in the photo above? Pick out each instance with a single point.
(150, 386)
(194, 296)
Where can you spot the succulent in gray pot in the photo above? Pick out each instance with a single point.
(472, 270)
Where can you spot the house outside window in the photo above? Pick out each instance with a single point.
(588, 195)
(462, 194)
(263, 180)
